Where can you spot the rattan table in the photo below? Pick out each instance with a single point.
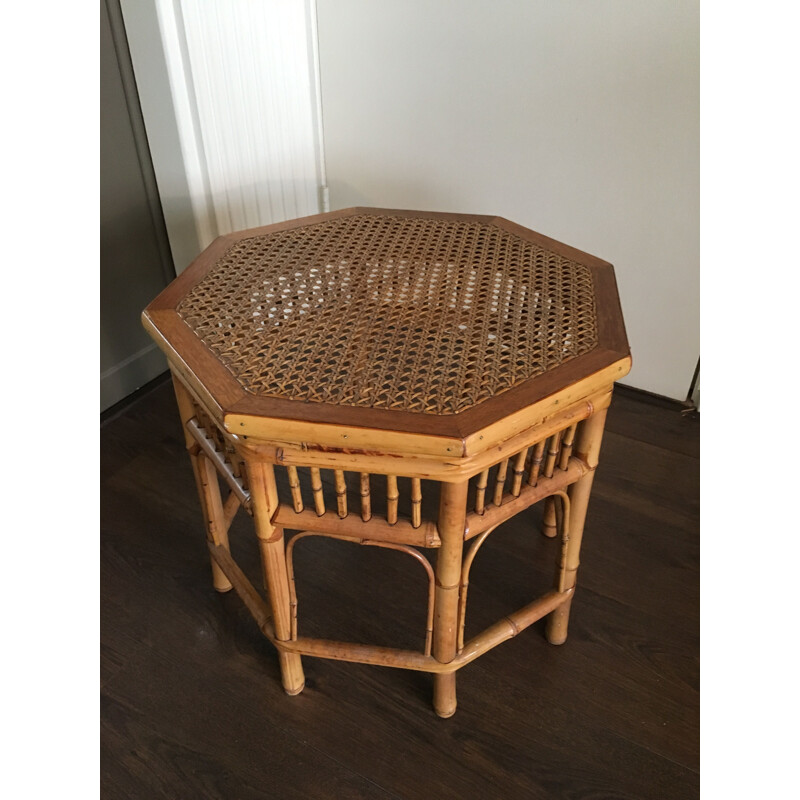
(462, 364)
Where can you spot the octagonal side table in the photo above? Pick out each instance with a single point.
(464, 361)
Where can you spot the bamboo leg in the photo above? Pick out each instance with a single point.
(215, 515)
(207, 488)
(273, 557)
(590, 435)
(452, 518)
(549, 527)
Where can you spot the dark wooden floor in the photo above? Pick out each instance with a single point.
(192, 705)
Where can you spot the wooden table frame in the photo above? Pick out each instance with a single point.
(537, 439)
(564, 478)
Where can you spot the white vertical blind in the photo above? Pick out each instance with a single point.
(245, 91)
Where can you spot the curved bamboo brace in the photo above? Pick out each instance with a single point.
(465, 568)
(549, 522)
(563, 524)
(404, 548)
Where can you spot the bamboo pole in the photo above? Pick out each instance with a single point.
(552, 454)
(566, 446)
(536, 463)
(513, 624)
(292, 583)
(402, 531)
(414, 553)
(500, 481)
(366, 511)
(465, 568)
(341, 493)
(273, 558)
(483, 481)
(416, 502)
(316, 488)
(212, 500)
(452, 520)
(232, 505)
(549, 519)
(589, 438)
(503, 630)
(519, 471)
(392, 496)
(294, 486)
(477, 524)
(246, 591)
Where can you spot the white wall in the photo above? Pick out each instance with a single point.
(577, 119)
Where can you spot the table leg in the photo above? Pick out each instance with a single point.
(205, 477)
(452, 518)
(588, 448)
(549, 518)
(264, 497)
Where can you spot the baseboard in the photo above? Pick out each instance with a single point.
(653, 398)
(115, 410)
(121, 380)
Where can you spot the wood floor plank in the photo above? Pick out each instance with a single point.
(662, 423)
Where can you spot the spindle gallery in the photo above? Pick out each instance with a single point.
(415, 379)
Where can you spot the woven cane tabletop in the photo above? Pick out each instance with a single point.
(427, 314)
